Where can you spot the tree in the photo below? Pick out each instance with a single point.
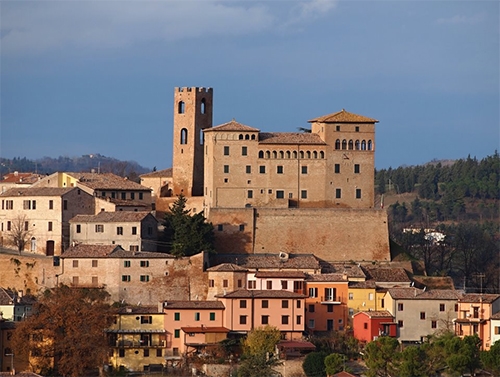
(259, 357)
(66, 331)
(188, 234)
(381, 357)
(491, 359)
(334, 363)
(20, 232)
(413, 362)
(314, 364)
(463, 354)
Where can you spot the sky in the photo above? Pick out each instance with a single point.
(87, 77)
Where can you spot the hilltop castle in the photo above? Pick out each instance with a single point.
(270, 192)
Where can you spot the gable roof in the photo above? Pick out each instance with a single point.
(331, 277)
(479, 297)
(227, 267)
(280, 274)
(193, 305)
(37, 191)
(9, 297)
(270, 261)
(343, 116)
(387, 274)
(375, 314)
(112, 217)
(107, 181)
(21, 178)
(254, 293)
(159, 173)
(232, 125)
(110, 251)
(411, 293)
(290, 138)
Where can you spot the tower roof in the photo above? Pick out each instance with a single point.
(233, 125)
(343, 117)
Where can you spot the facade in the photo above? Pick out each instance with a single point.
(160, 182)
(137, 338)
(134, 231)
(495, 328)
(44, 214)
(475, 311)
(14, 306)
(9, 362)
(17, 180)
(369, 325)
(420, 312)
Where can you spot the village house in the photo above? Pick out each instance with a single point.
(17, 180)
(42, 215)
(475, 311)
(495, 327)
(369, 325)
(15, 306)
(160, 182)
(134, 231)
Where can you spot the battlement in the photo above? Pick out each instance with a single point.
(193, 89)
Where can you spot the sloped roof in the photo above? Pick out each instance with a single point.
(411, 293)
(479, 297)
(107, 181)
(253, 293)
(387, 274)
(233, 125)
(290, 138)
(351, 270)
(376, 314)
(110, 251)
(343, 116)
(37, 191)
(368, 284)
(326, 278)
(159, 173)
(150, 309)
(112, 217)
(204, 329)
(193, 305)
(227, 267)
(9, 297)
(270, 261)
(281, 274)
(16, 177)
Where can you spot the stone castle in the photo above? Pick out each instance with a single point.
(271, 192)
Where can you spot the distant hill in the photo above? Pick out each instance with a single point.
(85, 163)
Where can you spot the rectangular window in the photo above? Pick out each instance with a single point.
(26, 225)
(311, 324)
(284, 304)
(370, 296)
(433, 324)
(330, 294)
(94, 262)
(51, 204)
(338, 193)
(78, 228)
(400, 307)
(9, 204)
(26, 204)
(265, 304)
(125, 277)
(197, 316)
(284, 284)
(250, 194)
(134, 230)
(243, 151)
(141, 196)
(8, 225)
(400, 324)
(356, 128)
(159, 352)
(75, 280)
(269, 284)
(243, 304)
(75, 263)
(126, 263)
(177, 316)
(299, 320)
(177, 333)
(252, 284)
(146, 319)
(248, 169)
(225, 283)
(337, 168)
(226, 169)
(311, 308)
(150, 230)
(144, 263)
(265, 320)
(240, 283)
(243, 319)
(99, 228)
(211, 283)
(119, 230)
(313, 292)
(144, 278)
(337, 128)
(304, 169)
(284, 319)
(279, 169)
(441, 307)
(356, 168)
(280, 194)
(132, 195)
(220, 227)
(226, 151)
(351, 296)
(358, 193)
(299, 304)
(121, 352)
(497, 330)
(422, 315)
(329, 308)
(65, 204)
(262, 169)
(212, 316)
(303, 194)
(242, 227)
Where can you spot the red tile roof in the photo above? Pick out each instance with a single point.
(387, 274)
(479, 297)
(204, 329)
(376, 314)
(165, 173)
(343, 117)
(253, 293)
(110, 251)
(290, 138)
(327, 278)
(37, 191)
(233, 125)
(421, 294)
(167, 305)
(269, 261)
(20, 178)
(280, 274)
(227, 267)
(107, 181)
(112, 217)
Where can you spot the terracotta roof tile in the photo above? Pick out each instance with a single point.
(193, 305)
(110, 251)
(411, 293)
(107, 181)
(281, 274)
(204, 329)
(139, 310)
(37, 191)
(159, 173)
(233, 125)
(327, 278)
(252, 293)
(227, 267)
(387, 274)
(22, 178)
(112, 217)
(376, 313)
(290, 138)
(269, 261)
(343, 117)
(368, 284)
(351, 270)
(478, 297)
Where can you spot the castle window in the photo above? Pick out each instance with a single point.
(262, 169)
(338, 193)
(268, 154)
(344, 144)
(275, 154)
(337, 144)
(358, 193)
(247, 137)
(301, 154)
(240, 137)
(261, 154)
(304, 169)
(226, 169)
(337, 128)
(184, 135)
(279, 169)
(356, 145)
(337, 168)
(250, 194)
(253, 137)
(303, 194)
(243, 151)
(363, 145)
(280, 194)
(181, 107)
(308, 154)
(315, 154)
(287, 154)
(294, 154)
(356, 168)
(203, 106)
(369, 145)
(226, 151)
(356, 128)
(321, 154)
(351, 145)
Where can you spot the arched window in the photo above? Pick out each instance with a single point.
(356, 145)
(181, 107)
(203, 106)
(247, 137)
(282, 154)
(268, 154)
(337, 144)
(33, 244)
(301, 154)
(253, 137)
(370, 146)
(308, 154)
(275, 154)
(261, 154)
(363, 145)
(184, 136)
(321, 154)
(315, 154)
(240, 137)
(202, 137)
(294, 154)
(287, 154)
(344, 144)
(351, 145)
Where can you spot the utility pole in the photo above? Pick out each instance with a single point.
(481, 277)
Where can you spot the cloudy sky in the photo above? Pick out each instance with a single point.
(83, 77)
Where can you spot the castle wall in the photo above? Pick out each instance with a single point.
(330, 234)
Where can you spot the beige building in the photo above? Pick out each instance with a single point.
(134, 231)
(17, 180)
(160, 182)
(44, 214)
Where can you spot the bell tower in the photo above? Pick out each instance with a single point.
(192, 114)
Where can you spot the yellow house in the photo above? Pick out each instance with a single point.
(361, 297)
(137, 339)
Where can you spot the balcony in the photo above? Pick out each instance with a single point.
(331, 300)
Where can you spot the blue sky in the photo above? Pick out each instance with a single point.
(83, 77)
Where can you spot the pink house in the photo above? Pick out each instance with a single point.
(372, 324)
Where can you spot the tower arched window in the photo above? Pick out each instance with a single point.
(247, 137)
(315, 154)
(344, 144)
(294, 154)
(240, 137)
(184, 136)
(301, 154)
(321, 154)
(275, 154)
(261, 154)
(308, 154)
(356, 145)
(203, 107)
(370, 146)
(351, 145)
(282, 154)
(253, 137)
(363, 145)
(337, 144)
(202, 137)
(287, 154)
(268, 154)
(181, 107)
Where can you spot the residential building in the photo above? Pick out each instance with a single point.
(362, 296)
(43, 213)
(17, 180)
(495, 328)
(134, 231)
(137, 338)
(225, 277)
(475, 311)
(14, 306)
(421, 312)
(160, 182)
(369, 325)
(10, 362)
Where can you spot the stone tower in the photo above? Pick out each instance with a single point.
(192, 114)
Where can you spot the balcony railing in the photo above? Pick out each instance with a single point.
(331, 300)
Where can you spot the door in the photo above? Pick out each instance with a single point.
(329, 325)
(50, 248)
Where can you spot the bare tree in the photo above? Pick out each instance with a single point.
(19, 233)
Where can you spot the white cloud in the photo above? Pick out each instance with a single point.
(307, 11)
(460, 19)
